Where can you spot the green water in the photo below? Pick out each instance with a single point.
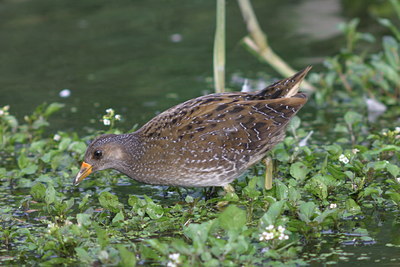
(120, 54)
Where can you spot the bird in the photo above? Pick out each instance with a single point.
(207, 141)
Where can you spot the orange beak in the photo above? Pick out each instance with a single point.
(85, 170)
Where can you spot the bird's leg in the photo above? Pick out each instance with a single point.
(229, 193)
(229, 189)
(268, 172)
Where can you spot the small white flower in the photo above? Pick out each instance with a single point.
(109, 110)
(57, 137)
(398, 179)
(355, 150)
(65, 93)
(343, 159)
(269, 227)
(397, 130)
(333, 206)
(281, 229)
(176, 38)
(171, 264)
(117, 117)
(51, 227)
(262, 236)
(106, 121)
(283, 237)
(266, 236)
(1, 112)
(174, 256)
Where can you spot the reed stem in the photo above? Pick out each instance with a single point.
(219, 49)
(257, 43)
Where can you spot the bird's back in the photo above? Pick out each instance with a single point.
(211, 140)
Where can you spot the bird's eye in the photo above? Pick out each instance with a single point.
(98, 154)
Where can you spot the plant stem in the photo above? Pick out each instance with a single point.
(269, 167)
(219, 48)
(257, 43)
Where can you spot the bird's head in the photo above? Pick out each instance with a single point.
(105, 152)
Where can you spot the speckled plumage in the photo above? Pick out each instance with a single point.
(206, 141)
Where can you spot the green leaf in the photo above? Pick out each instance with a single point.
(31, 169)
(46, 157)
(50, 194)
(84, 201)
(232, 218)
(394, 170)
(281, 154)
(334, 150)
(128, 258)
(388, 72)
(198, 233)
(83, 255)
(162, 247)
(119, 217)
(352, 117)
(148, 253)
(84, 219)
(394, 196)
(274, 211)
(294, 123)
(335, 171)
(39, 123)
(23, 161)
(282, 190)
(189, 199)
(53, 107)
(384, 149)
(38, 192)
(391, 49)
(321, 218)
(352, 207)
(37, 146)
(102, 237)
(181, 246)
(294, 194)
(317, 187)
(387, 23)
(136, 202)
(306, 211)
(154, 210)
(3, 172)
(370, 190)
(251, 190)
(65, 142)
(77, 147)
(68, 204)
(11, 120)
(110, 202)
(377, 165)
(299, 171)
